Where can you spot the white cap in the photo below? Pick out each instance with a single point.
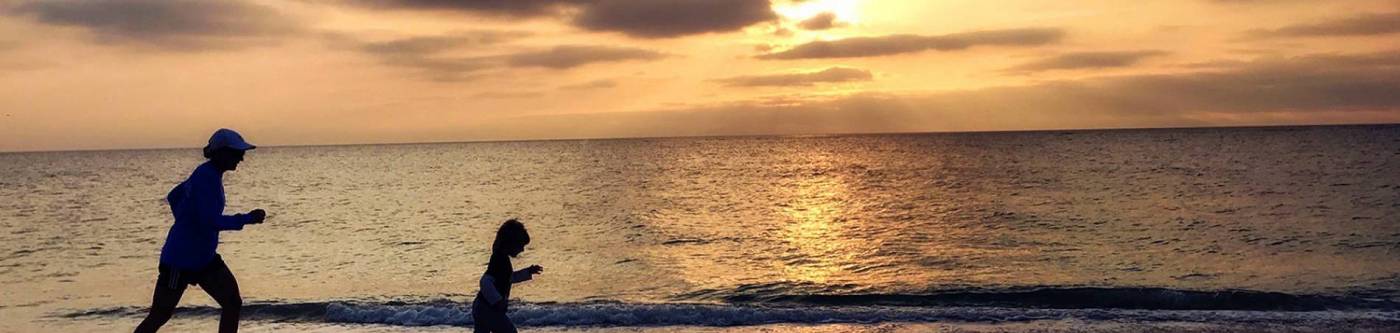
(227, 138)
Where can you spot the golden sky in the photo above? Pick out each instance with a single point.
(156, 73)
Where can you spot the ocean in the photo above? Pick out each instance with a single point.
(1212, 229)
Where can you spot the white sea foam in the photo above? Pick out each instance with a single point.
(670, 314)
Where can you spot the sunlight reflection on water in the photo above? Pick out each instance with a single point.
(1307, 210)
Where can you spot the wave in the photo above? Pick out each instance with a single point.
(433, 312)
(677, 314)
(1052, 297)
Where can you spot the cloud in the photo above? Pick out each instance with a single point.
(823, 21)
(444, 69)
(595, 84)
(6, 45)
(435, 44)
(1086, 60)
(1254, 1)
(508, 8)
(635, 18)
(1361, 25)
(1303, 90)
(441, 57)
(1309, 84)
(508, 94)
(782, 31)
(165, 25)
(673, 18)
(10, 66)
(570, 56)
(432, 57)
(833, 74)
(900, 44)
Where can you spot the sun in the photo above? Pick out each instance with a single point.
(845, 10)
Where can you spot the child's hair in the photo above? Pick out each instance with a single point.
(512, 233)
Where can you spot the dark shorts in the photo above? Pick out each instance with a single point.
(174, 278)
(487, 319)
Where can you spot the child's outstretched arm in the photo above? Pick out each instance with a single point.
(525, 274)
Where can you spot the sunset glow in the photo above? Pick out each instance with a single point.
(147, 73)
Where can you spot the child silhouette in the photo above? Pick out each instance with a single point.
(489, 308)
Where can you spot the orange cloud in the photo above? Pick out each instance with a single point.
(821, 21)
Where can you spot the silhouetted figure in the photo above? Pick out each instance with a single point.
(189, 256)
(489, 308)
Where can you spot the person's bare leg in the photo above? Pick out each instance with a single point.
(163, 303)
(220, 284)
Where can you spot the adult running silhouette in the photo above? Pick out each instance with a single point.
(189, 256)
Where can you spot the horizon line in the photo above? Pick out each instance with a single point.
(792, 135)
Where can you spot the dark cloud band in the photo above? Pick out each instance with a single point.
(437, 57)
(1361, 25)
(821, 21)
(900, 44)
(508, 8)
(166, 25)
(636, 18)
(1086, 60)
(570, 56)
(829, 75)
(673, 18)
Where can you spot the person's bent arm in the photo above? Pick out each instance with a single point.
(525, 274)
(205, 196)
(520, 276)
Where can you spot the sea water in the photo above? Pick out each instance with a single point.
(1254, 228)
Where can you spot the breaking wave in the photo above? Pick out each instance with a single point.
(1091, 304)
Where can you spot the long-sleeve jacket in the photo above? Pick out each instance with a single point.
(198, 207)
(488, 285)
(495, 284)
